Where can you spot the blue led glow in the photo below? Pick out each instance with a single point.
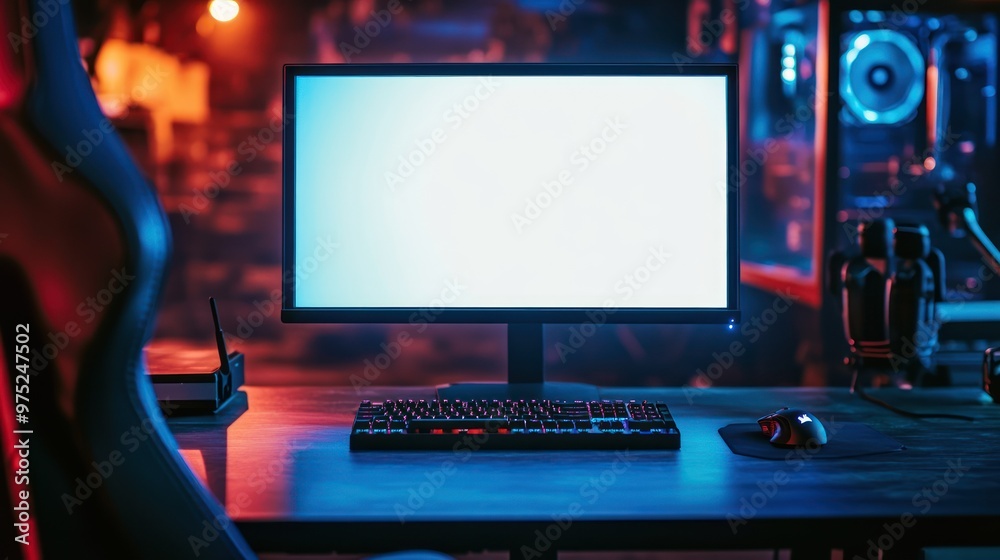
(788, 75)
(906, 107)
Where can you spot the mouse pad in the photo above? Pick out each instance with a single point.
(850, 439)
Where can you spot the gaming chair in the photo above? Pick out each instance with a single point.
(82, 264)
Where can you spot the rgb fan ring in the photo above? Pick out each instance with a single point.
(882, 77)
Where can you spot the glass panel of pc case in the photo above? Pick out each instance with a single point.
(856, 112)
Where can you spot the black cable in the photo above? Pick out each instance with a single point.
(856, 388)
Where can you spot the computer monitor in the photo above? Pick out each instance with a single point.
(511, 193)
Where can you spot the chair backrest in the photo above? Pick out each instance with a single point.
(82, 263)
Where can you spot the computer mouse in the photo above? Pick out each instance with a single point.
(792, 427)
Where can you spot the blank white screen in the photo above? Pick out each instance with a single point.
(435, 185)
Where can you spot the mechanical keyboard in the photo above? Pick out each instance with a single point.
(513, 424)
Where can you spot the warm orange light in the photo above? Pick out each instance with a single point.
(205, 25)
(223, 10)
(196, 462)
(930, 164)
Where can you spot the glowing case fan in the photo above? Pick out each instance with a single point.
(882, 75)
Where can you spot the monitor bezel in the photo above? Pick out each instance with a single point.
(292, 314)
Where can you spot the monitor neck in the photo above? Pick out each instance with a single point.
(525, 353)
(525, 373)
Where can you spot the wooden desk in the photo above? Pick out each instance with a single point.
(285, 474)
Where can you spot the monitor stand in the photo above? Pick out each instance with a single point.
(525, 375)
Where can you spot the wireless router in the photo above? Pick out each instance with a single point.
(186, 381)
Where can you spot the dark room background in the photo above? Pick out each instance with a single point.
(195, 89)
